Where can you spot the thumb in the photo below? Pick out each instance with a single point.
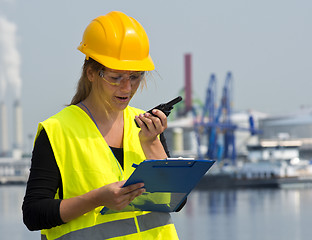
(121, 183)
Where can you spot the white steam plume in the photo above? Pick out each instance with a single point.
(10, 60)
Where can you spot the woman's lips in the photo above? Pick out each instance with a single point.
(122, 99)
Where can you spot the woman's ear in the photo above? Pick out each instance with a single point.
(90, 74)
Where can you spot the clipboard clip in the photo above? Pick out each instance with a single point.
(179, 158)
(135, 165)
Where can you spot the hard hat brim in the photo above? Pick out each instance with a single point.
(127, 65)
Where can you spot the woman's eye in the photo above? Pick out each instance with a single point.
(115, 78)
(134, 77)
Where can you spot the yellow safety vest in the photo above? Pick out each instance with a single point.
(86, 162)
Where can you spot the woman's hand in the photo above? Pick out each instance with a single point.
(151, 127)
(113, 196)
(116, 197)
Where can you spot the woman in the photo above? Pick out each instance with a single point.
(83, 154)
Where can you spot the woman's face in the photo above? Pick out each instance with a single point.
(115, 88)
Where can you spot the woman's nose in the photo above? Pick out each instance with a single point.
(125, 84)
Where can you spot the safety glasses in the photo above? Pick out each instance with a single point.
(116, 78)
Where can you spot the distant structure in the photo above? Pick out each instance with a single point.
(4, 150)
(10, 62)
(14, 151)
(284, 130)
(217, 131)
(211, 124)
(209, 127)
(188, 82)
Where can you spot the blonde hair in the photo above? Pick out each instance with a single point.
(84, 85)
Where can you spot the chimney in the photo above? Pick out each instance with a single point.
(4, 130)
(188, 82)
(18, 127)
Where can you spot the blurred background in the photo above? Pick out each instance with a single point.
(244, 71)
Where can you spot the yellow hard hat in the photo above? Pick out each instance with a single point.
(117, 41)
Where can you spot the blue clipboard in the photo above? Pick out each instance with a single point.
(167, 182)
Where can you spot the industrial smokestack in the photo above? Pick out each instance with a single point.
(18, 125)
(188, 82)
(10, 62)
(4, 130)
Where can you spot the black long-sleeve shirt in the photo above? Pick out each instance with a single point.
(40, 209)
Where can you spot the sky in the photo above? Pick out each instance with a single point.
(265, 44)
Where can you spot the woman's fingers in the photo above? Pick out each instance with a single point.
(116, 197)
(129, 194)
(132, 188)
(156, 122)
(160, 116)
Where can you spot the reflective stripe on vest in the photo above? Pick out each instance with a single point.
(119, 228)
(153, 220)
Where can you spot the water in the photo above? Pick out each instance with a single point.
(264, 214)
(269, 214)
(11, 224)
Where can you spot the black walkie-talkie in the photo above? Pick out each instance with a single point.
(164, 107)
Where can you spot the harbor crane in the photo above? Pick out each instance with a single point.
(216, 124)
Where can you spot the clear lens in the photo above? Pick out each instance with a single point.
(115, 78)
